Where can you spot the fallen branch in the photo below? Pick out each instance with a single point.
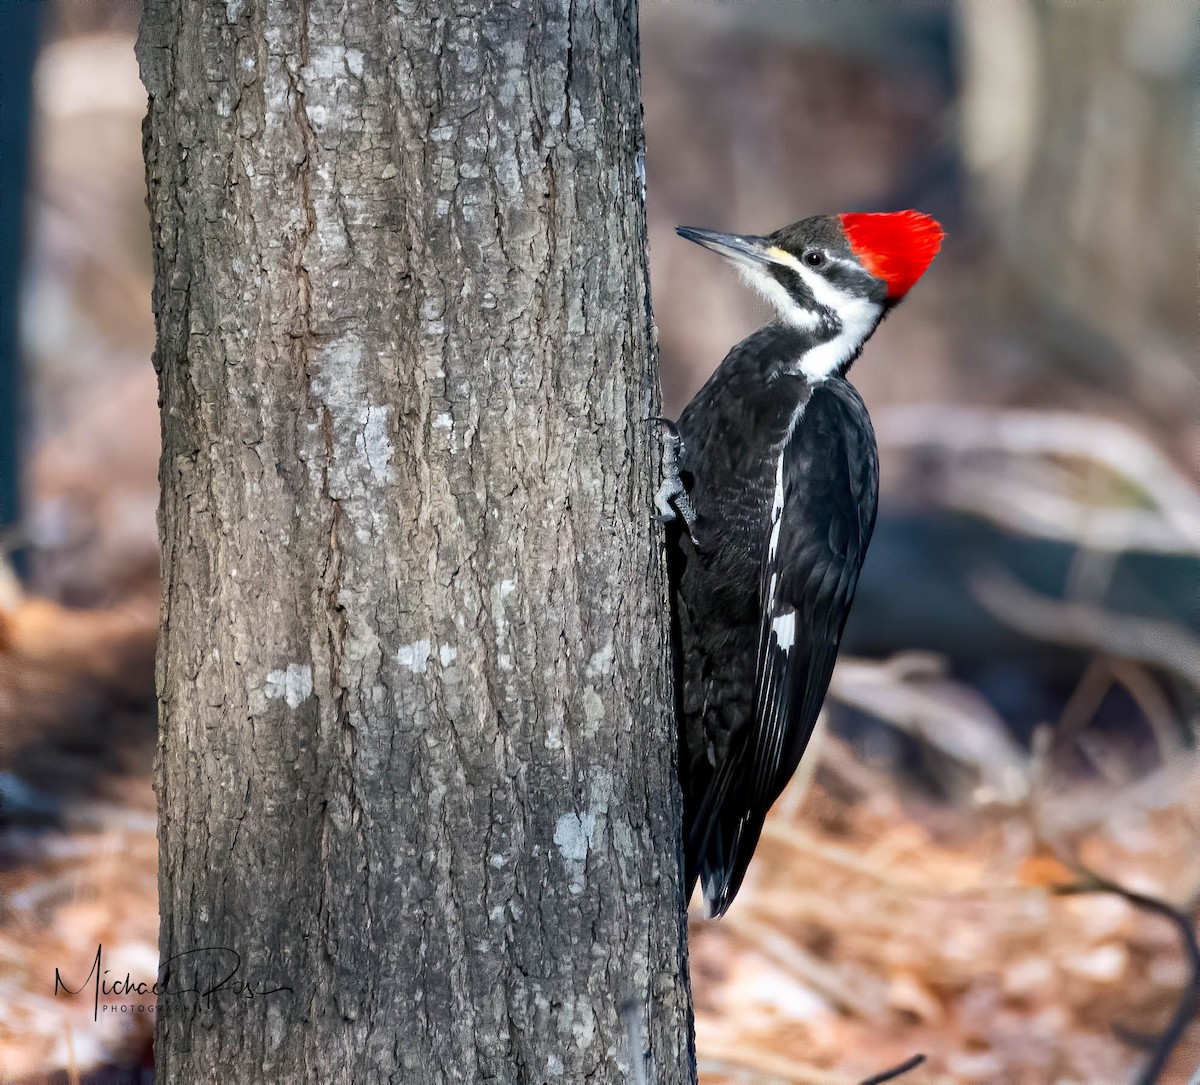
(1063, 622)
(746, 1061)
(1189, 999)
(762, 1066)
(895, 1071)
(970, 734)
(1152, 702)
(826, 980)
(1092, 882)
(1172, 526)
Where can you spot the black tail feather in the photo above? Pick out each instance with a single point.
(721, 837)
(722, 865)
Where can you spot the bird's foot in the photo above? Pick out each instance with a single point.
(673, 498)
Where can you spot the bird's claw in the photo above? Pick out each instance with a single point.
(673, 499)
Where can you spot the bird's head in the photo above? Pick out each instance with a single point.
(832, 275)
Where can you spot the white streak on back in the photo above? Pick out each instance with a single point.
(776, 510)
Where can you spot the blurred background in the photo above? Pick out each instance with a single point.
(993, 856)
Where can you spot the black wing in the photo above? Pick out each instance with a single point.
(822, 519)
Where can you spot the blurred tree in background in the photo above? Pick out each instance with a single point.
(18, 50)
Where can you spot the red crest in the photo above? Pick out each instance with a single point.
(894, 246)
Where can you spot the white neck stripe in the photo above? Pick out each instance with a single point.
(857, 316)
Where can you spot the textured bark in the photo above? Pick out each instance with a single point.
(416, 753)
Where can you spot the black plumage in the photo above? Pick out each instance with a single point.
(777, 483)
(733, 772)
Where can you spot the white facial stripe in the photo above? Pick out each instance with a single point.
(858, 317)
(822, 289)
(771, 289)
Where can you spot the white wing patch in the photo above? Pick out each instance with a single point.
(784, 628)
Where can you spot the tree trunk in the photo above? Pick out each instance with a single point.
(416, 753)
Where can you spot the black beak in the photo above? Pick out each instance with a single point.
(745, 249)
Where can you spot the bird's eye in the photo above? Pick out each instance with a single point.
(813, 258)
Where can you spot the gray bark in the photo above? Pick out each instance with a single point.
(416, 750)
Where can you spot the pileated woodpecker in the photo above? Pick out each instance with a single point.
(773, 471)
